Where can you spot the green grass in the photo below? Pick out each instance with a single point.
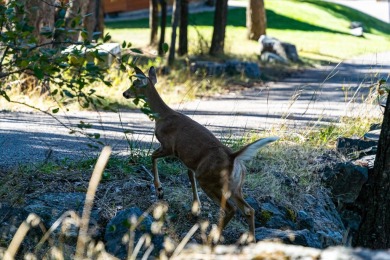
(318, 29)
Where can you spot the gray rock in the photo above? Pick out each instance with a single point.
(291, 51)
(351, 219)
(253, 203)
(349, 145)
(356, 28)
(282, 51)
(270, 57)
(231, 67)
(273, 216)
(252, 70)
(119, 226)
(345, 181)
(375, 126)
(10, 220)
(304, 221)
(300, 237)
(327, 221)
(366, 161)
(50, 206)
(207, 67)
(372, 135)
(330, 238)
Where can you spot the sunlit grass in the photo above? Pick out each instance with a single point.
(320, 30)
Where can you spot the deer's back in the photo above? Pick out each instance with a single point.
(189, 141)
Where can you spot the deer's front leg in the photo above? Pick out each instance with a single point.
(159, 153)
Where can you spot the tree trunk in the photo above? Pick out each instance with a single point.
(94, 22)
(375, 227)
(256, 21)
(40, 14)
(163, 24)
(100, 15)
(183, 31)
(76, 7)
(175, 22)
(220, 20)
(153, 21)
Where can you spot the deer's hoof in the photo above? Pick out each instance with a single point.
(196, 209)
(160, 193)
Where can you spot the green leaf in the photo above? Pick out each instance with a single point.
(136, 50)
(24, 63)
(68, 93)
(124, 44)
(5, 95)
(55, 110)
(84, 35)
(106, 38)
(38, 72)
(106, 175)
(165, 47)
(96, 35)
(381, 82)
(59, 23)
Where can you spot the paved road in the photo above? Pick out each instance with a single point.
(319, 96)
(377, 9)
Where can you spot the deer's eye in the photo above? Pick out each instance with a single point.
(140, 82)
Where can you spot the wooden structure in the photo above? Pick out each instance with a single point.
(114, 6)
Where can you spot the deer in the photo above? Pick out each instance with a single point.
(217, 169)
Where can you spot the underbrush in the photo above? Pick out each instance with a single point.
(296, 158)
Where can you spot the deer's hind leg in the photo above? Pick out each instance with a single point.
(220, 196)
(159, 153)
(247, 211)
(196, 202)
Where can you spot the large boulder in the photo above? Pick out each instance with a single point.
(327, 223)
(318, 225)
(345, 181)
(284, 51)
(119, 226)
(295, 237)
(50, 206)
(350, 145)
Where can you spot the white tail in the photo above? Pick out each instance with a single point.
(248, 152)
(215, 165)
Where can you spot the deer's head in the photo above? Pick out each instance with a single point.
(141, 84)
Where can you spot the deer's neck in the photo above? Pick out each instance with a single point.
(157, 105)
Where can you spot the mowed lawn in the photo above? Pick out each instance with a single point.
(320, 30)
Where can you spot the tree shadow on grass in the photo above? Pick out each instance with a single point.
(370, 23)
(236, 18)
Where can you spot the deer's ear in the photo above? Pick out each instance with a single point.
(138, 71)
(152, 75)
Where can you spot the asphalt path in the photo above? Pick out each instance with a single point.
(311, 98)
